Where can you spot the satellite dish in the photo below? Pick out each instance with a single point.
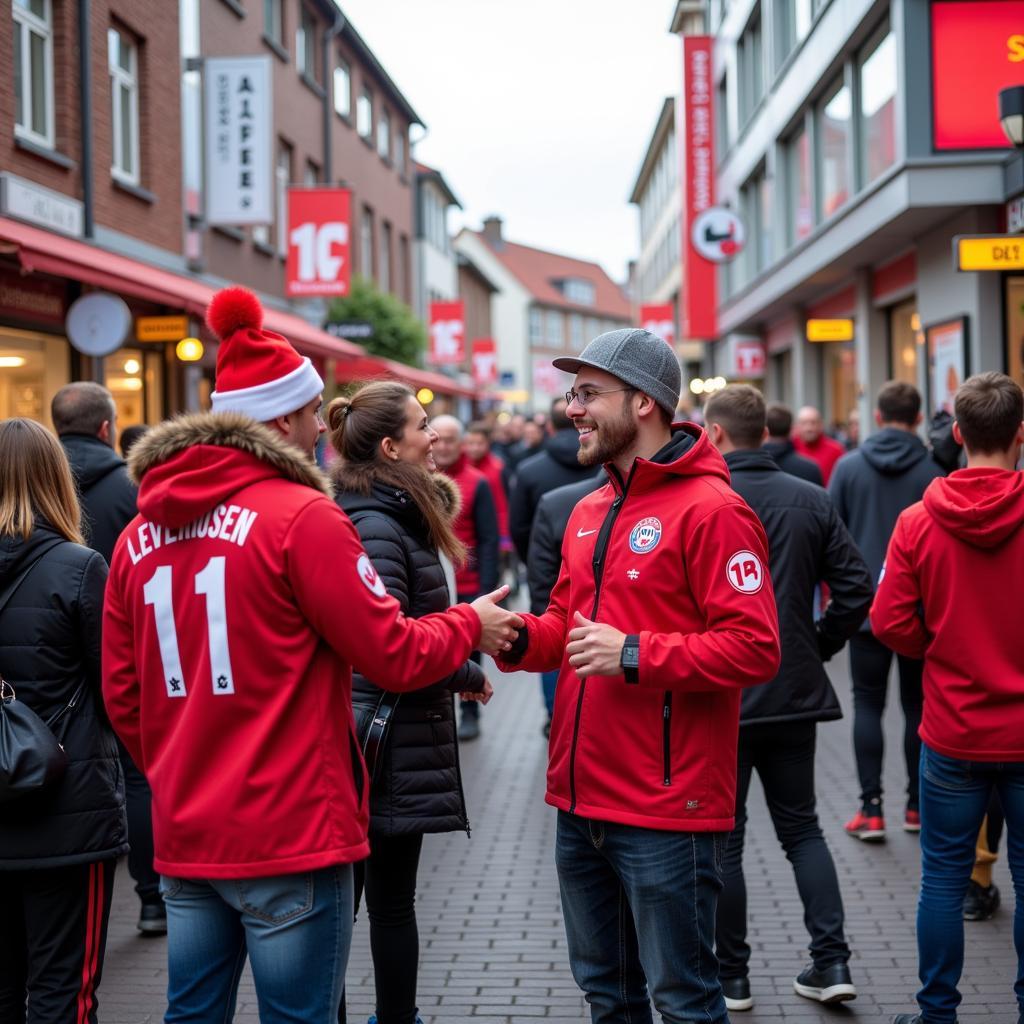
(98, 323)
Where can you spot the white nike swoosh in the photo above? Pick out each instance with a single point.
(585, 533)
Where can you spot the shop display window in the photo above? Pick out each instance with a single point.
(135, 378)
(1015, 328)
(33, 367)
(905, 342)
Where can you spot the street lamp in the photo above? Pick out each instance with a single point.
(1011, 113)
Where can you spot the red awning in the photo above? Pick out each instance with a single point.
(375, 367)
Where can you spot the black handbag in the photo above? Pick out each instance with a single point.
(374, 734)
(32, 761)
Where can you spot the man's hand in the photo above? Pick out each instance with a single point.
(498, 627)
(482, 697)
(595, 648)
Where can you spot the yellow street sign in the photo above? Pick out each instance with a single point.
(988, 252)
(161, 328)
(830, 330)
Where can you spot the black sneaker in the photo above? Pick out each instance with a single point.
(469, 728)
(981, 902)
(832, 985)
(153, 919)
(737, 994)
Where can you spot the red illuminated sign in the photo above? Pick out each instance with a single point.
(977, 49)
(700, 292)
(318, 241)
(447, 333)
(660, 320)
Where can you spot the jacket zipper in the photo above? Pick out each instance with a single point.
(458, 769)
(666, 714)
(598, 564)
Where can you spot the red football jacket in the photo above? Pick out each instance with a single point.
(239, 599)
(676, 556)
(950, 592)
(492, 468)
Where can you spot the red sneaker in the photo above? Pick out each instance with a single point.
(869, 830)
(912, 821)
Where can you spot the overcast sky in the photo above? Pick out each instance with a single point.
(539, 111)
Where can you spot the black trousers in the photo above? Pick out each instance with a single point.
(783, 756)
(388, 880)
(870, 661)
(138, 805)
(53, 933)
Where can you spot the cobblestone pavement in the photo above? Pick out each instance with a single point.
(493, 948)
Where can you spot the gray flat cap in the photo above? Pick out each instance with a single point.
(636, 357)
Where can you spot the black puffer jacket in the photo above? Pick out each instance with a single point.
(807, 543)
(790, 461)
(108, 497)
(418, 787)
(556, 466)
(49, 645)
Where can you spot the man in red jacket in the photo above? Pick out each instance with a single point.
(950, 593)
(811, 441)
(663, 611)
(238, 601)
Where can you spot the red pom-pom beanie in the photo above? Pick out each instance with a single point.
(258, 371)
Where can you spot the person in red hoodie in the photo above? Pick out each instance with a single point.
(238, 602)
(476, 443)
(662, 613)
(811, 441)
(950, 593)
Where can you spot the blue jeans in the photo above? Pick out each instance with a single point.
(954, 798)
(547, 686)
(639, 909)
(296, 929)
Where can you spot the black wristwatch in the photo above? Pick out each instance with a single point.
(630, 658)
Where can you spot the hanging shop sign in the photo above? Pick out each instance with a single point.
(700, 296)
(660, 319)
(447, 333)
(830, 330)
(747, 359)
(977, 49)
(319, 250)
(988, 252)
(719, 235)
(98, 323)
(351, 330)
(238, 94)
(485, 362)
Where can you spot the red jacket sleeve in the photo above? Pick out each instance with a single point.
(896, 612)
(546, 634)
(727, 569)
(339, 592)
(120, 678)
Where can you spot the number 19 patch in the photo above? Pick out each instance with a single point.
(745, 572)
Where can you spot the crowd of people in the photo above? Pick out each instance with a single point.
(260, 672)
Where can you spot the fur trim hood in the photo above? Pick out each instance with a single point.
(191, 464)
(352, 479)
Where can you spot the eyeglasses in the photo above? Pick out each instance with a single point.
(586, 395)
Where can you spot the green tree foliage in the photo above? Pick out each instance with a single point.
(397, 332)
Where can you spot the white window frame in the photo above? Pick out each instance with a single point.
(121, 79)
(345, 108)
(364, 102)
(305, 44)
(26, 24)
(384, 135)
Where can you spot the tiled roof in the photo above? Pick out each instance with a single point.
(538, 271)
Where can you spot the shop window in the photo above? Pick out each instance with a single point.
(834, 121)
(123, 64)
(33, 71)
(905, 342)
(33, 368)
(841, 378)
(1015, 328)
(877, 74)
(343, 88)
(136, 380)
(799, 173)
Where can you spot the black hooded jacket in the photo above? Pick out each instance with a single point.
(874, 484)
(556, 466)
(49, 646)
(418, 787)
(807, 543)
(108, 497)
(789, 460)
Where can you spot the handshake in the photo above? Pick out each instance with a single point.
(498, 627)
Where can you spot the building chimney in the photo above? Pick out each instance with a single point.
(492, 231)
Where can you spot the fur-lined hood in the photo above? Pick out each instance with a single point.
(190, 464)
(356, 482)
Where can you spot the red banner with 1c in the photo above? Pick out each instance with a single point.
(319, 250)
(447, 334)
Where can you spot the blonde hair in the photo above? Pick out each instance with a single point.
(36, 481)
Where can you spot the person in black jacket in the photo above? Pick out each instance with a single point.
(549, 525)
(555, 466)
(85, 418)
(57, 852)
(871, 487)
(779, 445)
(404, 511)
(807, 542)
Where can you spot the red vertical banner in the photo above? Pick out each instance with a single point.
(660, 320)
(447, 334)
(485, 362)
(319, 247)
(700, 276)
